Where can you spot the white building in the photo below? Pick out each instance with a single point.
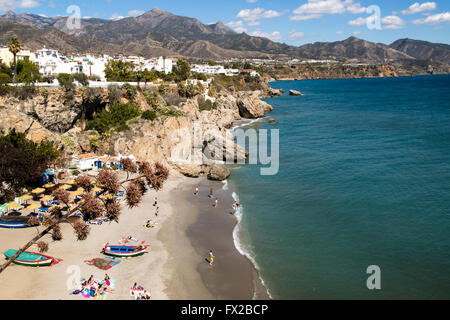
(85, 161)
(213, 70)
(7, 57)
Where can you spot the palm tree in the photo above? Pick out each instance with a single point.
(15, 46)
(90, 63)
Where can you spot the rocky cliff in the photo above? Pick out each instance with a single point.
(192, 141)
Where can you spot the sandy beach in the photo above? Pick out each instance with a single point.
(175, 266)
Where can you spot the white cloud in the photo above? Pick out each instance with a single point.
(252, 1)
(317, 8)
(258, 13)
(135, 13)
(6, 5)
(272, 36)
(434, 19)
(253, 23)
(389, 22)
(416, 7)
(116, 17)
(237, 26)
(294, 35)
(392, 22)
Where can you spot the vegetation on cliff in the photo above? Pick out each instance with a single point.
(23, 162)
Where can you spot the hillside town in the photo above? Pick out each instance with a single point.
(51, 63)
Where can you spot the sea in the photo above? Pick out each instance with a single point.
(360, 206)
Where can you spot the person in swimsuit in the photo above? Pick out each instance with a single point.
(211, 194)
(211, 258)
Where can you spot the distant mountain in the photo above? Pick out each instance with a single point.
(42, 22)
(423, 50)
(158, 32)
(352, 48)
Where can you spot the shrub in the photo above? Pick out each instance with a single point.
(115, 118)
(149, 115)
(205, 105)
(81, 78)
(173, 99)
(130, 91)
(75, 173)
(152, 98)
(66, 81)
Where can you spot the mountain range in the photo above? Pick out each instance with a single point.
(158, 32)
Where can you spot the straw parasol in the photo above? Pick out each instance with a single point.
(38, 191)
(33, 206)
(66, 186)
(80, 189)
(71, 181)
(49, 185)
(26, 197)
(76, 193)
(47, 198)
(107, 197)
(97, 189)
(13, 205)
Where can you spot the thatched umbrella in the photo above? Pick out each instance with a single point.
(33, 207)
(38, 191)
(47, 198)
(49, 185)
(71, 181)
(26, 197)
(66, 186)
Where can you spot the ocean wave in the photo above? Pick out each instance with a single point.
(241, 247)
(245, 123)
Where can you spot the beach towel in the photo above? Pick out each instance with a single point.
(103, 263)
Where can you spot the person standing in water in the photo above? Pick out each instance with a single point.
(211, 194)
(211, 258)
(216, 203)
(196, 192)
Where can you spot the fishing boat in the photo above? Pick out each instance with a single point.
(14, 222)
(31, 259)
(124, 251)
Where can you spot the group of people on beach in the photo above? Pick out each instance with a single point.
(96, 288)
(139, 293)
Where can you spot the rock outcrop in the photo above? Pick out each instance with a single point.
(295, 93)
(250, 106)
(219, 172)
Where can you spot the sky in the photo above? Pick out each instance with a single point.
(294, 22)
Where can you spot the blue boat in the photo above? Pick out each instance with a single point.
(14, 222)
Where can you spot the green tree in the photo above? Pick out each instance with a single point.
(81, 78)
(66, 81)
(15, 46)
(27, 72)
(25, 162)
(121, 71)
(182, 70)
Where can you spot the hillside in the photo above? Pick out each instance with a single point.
(423, 50)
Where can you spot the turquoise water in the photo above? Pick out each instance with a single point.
(364, 180)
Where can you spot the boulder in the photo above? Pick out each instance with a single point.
(295, 93)
(275, 92)
(190, 170)
(219, 172)
(272, 121)
(250, 106)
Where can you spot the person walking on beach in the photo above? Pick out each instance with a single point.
(196, 192)
(216, 203)
(157, 211)
(211, 258)
(156, 202)
(211, 194)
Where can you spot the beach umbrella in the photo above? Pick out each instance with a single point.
(33, 206)
(66, 186)
(71, 181)
(47, 198)
(49, 185)
(76, 193)
(38, 191)
(13, 205)
(80, 189)
(26, 197)
(97, 189)
(107, 196)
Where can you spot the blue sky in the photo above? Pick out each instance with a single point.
(290, 21)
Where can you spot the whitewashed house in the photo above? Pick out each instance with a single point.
(85, 162)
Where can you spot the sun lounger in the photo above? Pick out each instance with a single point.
(42, 209)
